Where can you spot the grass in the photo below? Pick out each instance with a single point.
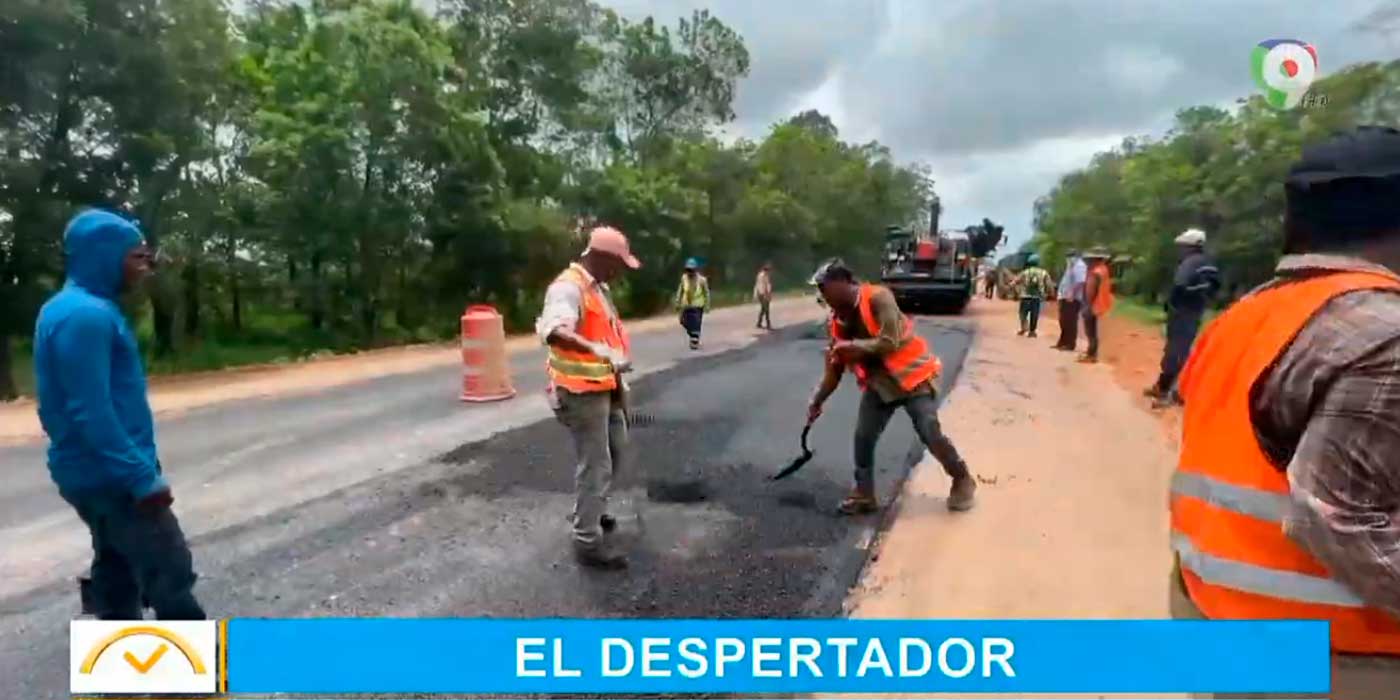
(1147, 314)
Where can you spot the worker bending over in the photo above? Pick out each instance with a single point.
(588, 353)
(1284, 501)
(693, 300)
(895, 368)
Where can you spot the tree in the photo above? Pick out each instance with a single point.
(815, 121)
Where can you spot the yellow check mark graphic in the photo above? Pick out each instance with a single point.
(144, 666)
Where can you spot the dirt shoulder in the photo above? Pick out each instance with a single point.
(175, 393)
(1071, 520)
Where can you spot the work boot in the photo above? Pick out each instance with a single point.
(607, 522)
(1088, 359)
(858, 503)
(1167, 400)
(1152, 392)
(1021, 332)
(1031, 334)
(962, 495)
(599, 555)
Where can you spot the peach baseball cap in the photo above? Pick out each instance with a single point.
(606, 239)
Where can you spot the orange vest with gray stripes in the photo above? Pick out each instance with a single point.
(1229, 500)
(912, 362)
(584, 372)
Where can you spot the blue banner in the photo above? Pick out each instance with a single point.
(331, 656)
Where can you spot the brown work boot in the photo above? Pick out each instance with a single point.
(858, 503)
(599, 555)
(962, 495)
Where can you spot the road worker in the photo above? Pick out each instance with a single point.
(1098, 300)
(1284, 500)
(1196, 281)
(1032, 285)
(763, 294)
(588, 353)
(895, 368)
(692, 301)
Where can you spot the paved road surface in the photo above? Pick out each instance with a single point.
(391, 498)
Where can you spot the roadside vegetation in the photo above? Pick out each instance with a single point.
(1218, 170)
(341, 174)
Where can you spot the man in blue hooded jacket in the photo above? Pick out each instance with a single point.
(102, 452)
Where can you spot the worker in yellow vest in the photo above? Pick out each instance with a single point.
(588, 353)
(1284, 503)
(895, 368)
(692, 301)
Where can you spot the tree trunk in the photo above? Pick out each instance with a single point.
(8, 390)
(318, 312)
(162, 320)
(237, 293)
(192, 310)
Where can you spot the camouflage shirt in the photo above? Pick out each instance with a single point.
(1034, 283)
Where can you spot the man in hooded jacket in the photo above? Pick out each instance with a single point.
(102, 451)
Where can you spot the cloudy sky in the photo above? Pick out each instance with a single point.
(1001, 97)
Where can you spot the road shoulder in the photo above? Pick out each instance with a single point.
(1071, 519)
(174, 394)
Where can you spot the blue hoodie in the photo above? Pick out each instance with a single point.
(92, 387)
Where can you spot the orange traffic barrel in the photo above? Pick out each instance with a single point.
(485, 373)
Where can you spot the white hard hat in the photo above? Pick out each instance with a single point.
(1191, 236)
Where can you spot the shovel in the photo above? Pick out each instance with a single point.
(801, 461)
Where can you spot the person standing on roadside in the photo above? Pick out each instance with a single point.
(102, 449)
(1098, 299)
(589, 351)
(1196, 282)
(895, 368)
(1032, 285)
(693, 300)
(763, 294)
(1284, 501)
(1071, 295)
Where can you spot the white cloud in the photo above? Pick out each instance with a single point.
(1001, 97)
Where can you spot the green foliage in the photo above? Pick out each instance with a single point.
(341, 174)
(1216, 170)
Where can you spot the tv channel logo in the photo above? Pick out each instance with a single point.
(1284, 69)
(143, 658)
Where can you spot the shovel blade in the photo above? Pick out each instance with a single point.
(796, 464)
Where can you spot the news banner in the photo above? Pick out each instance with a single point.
(329, 658)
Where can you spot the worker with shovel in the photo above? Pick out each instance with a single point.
(895, 368)
(589, 351)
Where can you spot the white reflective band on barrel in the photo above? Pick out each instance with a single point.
(1264, 505)
(1288, 585)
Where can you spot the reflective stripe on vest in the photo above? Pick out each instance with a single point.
(910, 363)
(1229, 501)
(584, 372)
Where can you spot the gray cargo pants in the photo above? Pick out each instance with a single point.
(598, 425)
(923, 411)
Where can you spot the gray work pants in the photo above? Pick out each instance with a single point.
(1182, 327)
(136, 557)
(875, 415)
(598, 425)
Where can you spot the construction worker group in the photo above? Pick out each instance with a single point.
(1284, 503)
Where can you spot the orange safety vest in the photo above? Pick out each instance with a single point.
(1229, 500)
(911, 363)
(583, 372)
(1102, 302)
